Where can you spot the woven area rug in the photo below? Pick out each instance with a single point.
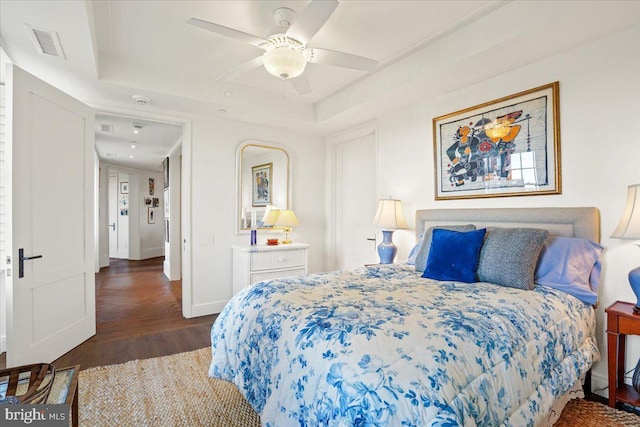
(176, 391)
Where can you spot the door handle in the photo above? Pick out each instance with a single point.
(113, 225)
(22, 259)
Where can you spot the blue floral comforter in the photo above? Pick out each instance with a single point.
(381, 346)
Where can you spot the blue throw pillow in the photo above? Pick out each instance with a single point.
(454, 255)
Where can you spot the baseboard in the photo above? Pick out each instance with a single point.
(152, 252)
(599, 385)
(104, 261)
(3, 344)
(208, 308)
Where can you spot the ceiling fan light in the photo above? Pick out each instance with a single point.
(284, 62)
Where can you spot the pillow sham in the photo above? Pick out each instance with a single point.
(572, 265)
(411, 260)
(423, 252)
(509, 256)
(454, 255)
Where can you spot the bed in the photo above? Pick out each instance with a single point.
(381, 345)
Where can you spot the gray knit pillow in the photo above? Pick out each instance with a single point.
(509, 256)
(423, 253)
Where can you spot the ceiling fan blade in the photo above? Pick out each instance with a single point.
(226, 31)
(301, 84)
(254, 63)
(342, 59)
(312, 18)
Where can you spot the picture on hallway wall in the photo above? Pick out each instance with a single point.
(147, 201)
(151, 218)
(152, 186)
(261, 184)
(505, 147)
(156, 202)
(124, 188)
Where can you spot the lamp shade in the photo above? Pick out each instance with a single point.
(389, 215)
(270, 216)
(287, 218)
(629, 226)
(284, 62)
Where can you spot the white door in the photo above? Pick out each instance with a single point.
(113, 216)
(51, 309)
(356, 202)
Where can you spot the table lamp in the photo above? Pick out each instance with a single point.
(629, 228)
(270, 216)
(389, 217)
(286, 219)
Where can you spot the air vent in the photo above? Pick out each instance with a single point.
(46, 42)
(106, 127)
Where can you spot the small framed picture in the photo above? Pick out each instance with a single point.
(152, 186)
(147, 201)
(261, 184)
(156, 202)
(124, 188)
(151, 216)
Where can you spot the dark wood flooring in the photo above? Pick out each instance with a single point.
(138, 316)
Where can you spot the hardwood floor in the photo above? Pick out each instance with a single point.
(138, 316)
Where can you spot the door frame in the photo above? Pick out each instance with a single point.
(186, 184)
(366, 129)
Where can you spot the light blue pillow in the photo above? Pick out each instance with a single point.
(454, 255)
(572, 265)
(414, 251)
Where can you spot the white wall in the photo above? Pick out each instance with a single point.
(214, 145)
(599, 112)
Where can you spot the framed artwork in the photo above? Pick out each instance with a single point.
(505, 147)
(152, 186)
(124, 188)
(165, 169)
(155, 202)
(151, 216)
(147, 201)
(261, 177)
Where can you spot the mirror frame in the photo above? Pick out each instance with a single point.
(239, 152)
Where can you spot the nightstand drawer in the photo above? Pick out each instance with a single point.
(277, 259)
(629, 326)
(266, 275)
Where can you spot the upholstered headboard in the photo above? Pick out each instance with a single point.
(567, 222)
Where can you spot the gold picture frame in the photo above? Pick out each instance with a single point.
(506, 147)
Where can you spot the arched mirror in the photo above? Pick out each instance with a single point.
(263, 181)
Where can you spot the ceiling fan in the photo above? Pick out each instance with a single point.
(287, 53)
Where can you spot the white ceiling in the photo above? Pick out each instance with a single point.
(115, 49)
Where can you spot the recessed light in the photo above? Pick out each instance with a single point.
(133, 145)
(131, 157)
(136, 131)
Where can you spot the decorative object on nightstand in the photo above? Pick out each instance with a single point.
(629, 228)
(389, 217)
(287, 219)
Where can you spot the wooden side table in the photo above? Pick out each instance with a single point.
(621, 321)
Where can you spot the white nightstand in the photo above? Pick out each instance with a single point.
(253, 264)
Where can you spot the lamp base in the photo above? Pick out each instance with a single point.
(286, 240)
(634, 282)
(386, 249)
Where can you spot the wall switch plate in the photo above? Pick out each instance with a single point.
(207, 240)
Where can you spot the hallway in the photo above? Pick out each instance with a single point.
(138, 316)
